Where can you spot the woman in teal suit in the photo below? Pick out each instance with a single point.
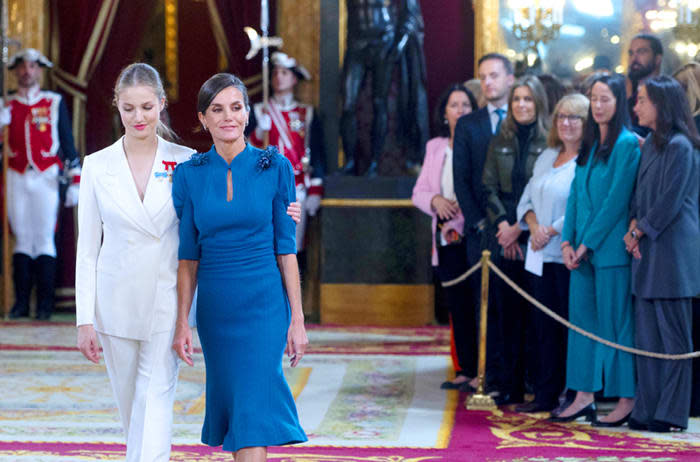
(594, 250)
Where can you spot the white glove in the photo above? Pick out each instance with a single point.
(5, 116)
(72, 195)
(312, 204)
(264, 123)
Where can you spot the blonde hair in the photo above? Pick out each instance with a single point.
(574, 103)
(689, 78)
(142, 74)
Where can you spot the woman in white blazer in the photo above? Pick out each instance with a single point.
(126, 269)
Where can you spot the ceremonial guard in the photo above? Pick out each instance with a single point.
(42, 157)
(292, 127)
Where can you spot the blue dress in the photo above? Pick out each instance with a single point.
(243, 313)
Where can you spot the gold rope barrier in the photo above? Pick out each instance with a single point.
(469, 272)
(480, 401)
(554, 315)
(486, 261)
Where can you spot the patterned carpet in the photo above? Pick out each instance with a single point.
(364, 394)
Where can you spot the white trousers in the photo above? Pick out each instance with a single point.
(32, 210)
(144, 378)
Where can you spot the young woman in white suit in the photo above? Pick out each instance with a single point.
(126, 269)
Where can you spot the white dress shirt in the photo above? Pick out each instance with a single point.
(493, 115)
(447, 184)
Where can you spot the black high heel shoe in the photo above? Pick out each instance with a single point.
(616, 423)
(588, 412)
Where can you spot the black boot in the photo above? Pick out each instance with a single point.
(46, 286)
(22, 276)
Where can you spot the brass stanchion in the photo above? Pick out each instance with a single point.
(480, 401)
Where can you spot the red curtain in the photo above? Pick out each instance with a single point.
(91, 41)
(234, 16)
(120, 50)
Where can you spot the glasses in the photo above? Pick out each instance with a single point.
(571, 118)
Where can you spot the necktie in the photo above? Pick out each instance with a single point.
(501, 114)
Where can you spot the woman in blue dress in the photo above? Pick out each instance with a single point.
(238, 245)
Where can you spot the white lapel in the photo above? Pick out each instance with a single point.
(121, 186)
(157, 199)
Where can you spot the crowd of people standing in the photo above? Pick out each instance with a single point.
(594, 210)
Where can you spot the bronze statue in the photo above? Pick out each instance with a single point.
(380, 35)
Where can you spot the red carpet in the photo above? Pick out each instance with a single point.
(477, 436)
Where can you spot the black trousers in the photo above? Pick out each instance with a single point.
(508, 318)
(548, 339)
(460, 303)
(695, 400)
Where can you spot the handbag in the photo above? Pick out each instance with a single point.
(452, 257)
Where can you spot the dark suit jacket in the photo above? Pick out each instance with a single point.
(472, 136)
(665, 204)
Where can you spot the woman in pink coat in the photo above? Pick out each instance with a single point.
(434, 194)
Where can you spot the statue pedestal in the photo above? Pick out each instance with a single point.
(375, 254)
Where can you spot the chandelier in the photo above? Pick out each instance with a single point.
(537, 21)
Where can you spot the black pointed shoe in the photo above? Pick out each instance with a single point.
(588, 412)
(616, 423)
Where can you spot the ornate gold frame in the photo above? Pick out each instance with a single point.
(487, 35)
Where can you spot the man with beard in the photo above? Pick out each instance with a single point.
(645, 55)
(41, 145)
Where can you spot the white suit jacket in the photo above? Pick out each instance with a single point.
(126, 269)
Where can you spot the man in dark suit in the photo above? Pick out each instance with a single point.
(472, 135)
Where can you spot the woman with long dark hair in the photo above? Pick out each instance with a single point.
(510, 161)
(238, 246)
(434, 194)
(595, 223)
(664, 239)
(688, 76)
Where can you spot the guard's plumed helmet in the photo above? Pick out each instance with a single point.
(29, 54)
(281, 59)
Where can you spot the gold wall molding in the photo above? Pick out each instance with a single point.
(28, 22)
(171, 55)
(302, 43)
(377, 304)
(487, 33)
(390, 203)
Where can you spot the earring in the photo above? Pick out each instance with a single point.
(246, 122)
(444, 121)
(205, 128)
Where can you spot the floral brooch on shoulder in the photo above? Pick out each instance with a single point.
(198, 159)
(266, 157)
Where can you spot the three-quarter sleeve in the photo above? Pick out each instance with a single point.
(283, 225)
(189, 248)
